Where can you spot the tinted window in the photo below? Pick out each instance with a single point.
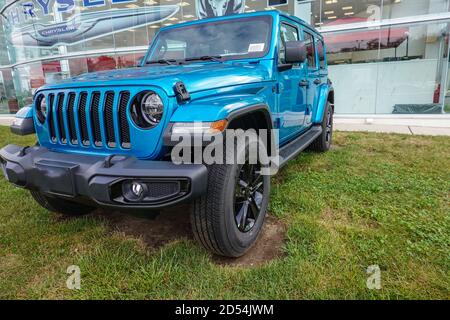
(311, 51)
(287, 33)
(321, 54)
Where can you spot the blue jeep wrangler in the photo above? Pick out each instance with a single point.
(105, 138)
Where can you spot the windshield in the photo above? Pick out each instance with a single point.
(230, 39)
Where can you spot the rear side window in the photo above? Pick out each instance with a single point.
(311, 50)
(321, 53)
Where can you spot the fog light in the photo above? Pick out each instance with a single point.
(134, 190)
(137, 189)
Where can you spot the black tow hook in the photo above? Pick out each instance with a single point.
(22, 151)
(109, 160)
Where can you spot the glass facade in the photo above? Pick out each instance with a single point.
(384, 56)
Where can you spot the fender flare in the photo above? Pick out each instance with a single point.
(325, 95)
(271, 143)
(248, 110)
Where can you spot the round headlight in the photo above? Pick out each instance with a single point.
(152, 108)
(147, 109)
(41, 108)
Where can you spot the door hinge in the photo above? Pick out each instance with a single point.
(276, 88)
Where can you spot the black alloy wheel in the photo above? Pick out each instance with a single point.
(249, 190)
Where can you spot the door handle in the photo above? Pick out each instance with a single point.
(304, 83)
(317, 81)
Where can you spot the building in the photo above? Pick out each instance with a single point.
(385, 56)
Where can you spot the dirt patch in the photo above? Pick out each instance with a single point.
(173, 224)
(155, 230)
(268, 247)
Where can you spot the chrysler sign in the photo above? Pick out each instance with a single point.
(20, 11)
(30, 25)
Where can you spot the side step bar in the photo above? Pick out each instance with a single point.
(293, 148)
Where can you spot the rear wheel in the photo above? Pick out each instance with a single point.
(323, 142)
(62, 206)
(229, 218)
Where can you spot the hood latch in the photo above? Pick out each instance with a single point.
(181, 92)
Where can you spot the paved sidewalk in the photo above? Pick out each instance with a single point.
(5, 120)
(433, 125)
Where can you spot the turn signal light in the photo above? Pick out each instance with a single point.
(219, 125)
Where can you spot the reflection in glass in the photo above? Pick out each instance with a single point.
(400, 70)
(353, 47)
(398, 9)
(417, 72)
(334, 12)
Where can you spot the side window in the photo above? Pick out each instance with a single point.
(321, 53)
(287, 33)
(311, 50)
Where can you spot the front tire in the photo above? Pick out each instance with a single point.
(228, 219)
(65, 207)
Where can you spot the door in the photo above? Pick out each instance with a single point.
(292, 96)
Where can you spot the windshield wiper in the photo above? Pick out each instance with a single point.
(162, 61)
(206, 58)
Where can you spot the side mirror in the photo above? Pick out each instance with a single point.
(295, 52)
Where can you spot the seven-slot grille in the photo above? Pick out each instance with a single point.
(93, 115)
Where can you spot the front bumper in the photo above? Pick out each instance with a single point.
(102, 180)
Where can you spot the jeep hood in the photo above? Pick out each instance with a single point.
(195, 76)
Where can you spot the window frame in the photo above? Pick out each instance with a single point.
(289, 24)
(321, 42)
(313, 38)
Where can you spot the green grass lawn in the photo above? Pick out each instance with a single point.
(374, 199)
